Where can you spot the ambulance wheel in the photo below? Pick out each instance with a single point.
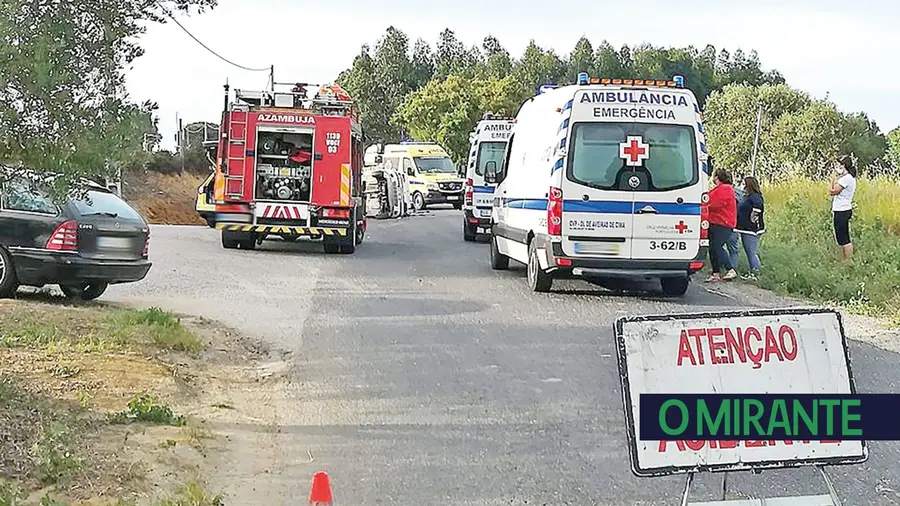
(360, 233)
(469, 232)
(418, 201)
(538, 280)
(499, 261)
(675, 287)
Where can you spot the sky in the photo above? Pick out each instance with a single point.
(839, 48)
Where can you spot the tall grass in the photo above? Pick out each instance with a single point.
(800, 255)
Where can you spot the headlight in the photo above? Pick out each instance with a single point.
(432, 186)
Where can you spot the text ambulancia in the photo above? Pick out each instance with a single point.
(487, 144)
(604, 180)
(290, 166)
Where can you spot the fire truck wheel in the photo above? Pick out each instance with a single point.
(249, 242)
(331, 247)
(229, 241)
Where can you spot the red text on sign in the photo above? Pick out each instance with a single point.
(722, 345)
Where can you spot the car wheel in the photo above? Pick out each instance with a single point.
(538, 280)
(418, 201)
(469, 232)
(84, 291)
(675, 287)
(8, 282)
(499, 261)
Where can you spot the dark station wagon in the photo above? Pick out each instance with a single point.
(90, 241)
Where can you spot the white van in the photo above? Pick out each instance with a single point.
(487, 144)
(605, 179)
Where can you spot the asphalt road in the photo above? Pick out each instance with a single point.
(424, 377)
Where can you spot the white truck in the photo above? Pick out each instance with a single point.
(487, 145)
(386, 188)
(604, 179)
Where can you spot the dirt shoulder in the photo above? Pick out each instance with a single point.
(110, 405)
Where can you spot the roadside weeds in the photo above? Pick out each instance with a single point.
(106, 405)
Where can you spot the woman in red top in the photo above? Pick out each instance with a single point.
(722, 220)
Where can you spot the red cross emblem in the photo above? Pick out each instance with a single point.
(681, 227)
(634, 151)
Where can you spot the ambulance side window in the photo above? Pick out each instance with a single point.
(393, 163)
(408, 167)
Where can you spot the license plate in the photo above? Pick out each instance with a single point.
(284, 171)
(453, 197)
(114, 242)
(596, 248)
(484, 213)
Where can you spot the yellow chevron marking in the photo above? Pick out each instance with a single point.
(281, 229)
(345, 184)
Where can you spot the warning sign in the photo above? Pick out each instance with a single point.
(786, 351)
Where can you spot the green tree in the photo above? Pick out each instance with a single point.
(893, 148)
(539, 67)
(581, 60)
(807, 142)
(496, 62)
(863, 140)
(451, 56)
(422, 65)
(446, 110)
(63, 105)
(361, 81)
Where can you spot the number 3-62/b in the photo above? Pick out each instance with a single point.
(668, 245)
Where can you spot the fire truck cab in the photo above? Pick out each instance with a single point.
(290, 165)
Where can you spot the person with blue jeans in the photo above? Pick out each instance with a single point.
(733, 244)
(750, 222)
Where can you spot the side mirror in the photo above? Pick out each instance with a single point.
(710, 163)
(379, 159)
(410, 171)
(490, 172)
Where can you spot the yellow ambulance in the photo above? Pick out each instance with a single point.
(433, 178)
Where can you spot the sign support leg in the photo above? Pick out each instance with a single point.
(724, 485)
(687, 489)
(831, 490)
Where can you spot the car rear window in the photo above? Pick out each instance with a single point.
(595, 154)
(489, 152)
(96, 202)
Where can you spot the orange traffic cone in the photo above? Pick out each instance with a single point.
(321, 489)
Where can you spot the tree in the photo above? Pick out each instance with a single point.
(367, 91)
(863, 140)
(63, 105)
(451, 55)
(808, 142)
(893, 148)
(496, 62)
(539, 67)
(422, 65)
(581, 60)
(446, 110)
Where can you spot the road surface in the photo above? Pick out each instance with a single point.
(424, 377)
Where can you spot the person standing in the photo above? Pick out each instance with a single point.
(750, 223)
(733, 244)
(722, 219)
(842, 188)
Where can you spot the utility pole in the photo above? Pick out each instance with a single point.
(756, 140)
(181, 142)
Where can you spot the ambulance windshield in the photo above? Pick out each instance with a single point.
(489, 152)
(435, 165)
(600, 151)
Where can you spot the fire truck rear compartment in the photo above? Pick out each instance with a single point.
(284, 157)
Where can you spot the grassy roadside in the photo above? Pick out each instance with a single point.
(88, 407)
(801, 258)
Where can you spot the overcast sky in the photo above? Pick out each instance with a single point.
(846, 48)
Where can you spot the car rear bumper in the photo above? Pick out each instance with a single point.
(563, 266)
(39, 267)
(472, 219)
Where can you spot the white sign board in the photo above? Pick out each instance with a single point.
(785, 351)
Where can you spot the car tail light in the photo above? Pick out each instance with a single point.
(695, 266)
(64, 237)
(469, 192)
(146, 252)
(336, 213)
(704, 216)
(564, 262)
(554, 212)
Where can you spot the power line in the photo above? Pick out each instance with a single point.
(226, 60)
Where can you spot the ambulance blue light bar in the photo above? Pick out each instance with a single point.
(547, 87)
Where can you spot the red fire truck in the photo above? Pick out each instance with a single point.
(290, 165)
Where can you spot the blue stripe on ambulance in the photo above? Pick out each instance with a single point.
(607, 207)
(483, 189)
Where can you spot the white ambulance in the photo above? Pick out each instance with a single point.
(605, 180)
(487, 144)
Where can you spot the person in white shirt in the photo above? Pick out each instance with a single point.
(843, 185)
